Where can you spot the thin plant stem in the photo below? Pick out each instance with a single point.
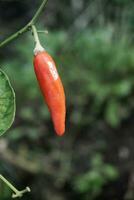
(15, 35)
(8, 184)
(35, 34)
(26, 27)
(16, 193)
(35, 17)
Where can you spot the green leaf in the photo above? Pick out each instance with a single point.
(7, 103)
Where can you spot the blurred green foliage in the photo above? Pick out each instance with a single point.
(97, 74)
(96, 64)
(5, 194)
(91, 183)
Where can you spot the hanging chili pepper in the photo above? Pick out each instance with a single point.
(50, 85)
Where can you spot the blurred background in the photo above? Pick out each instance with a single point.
(92, 43)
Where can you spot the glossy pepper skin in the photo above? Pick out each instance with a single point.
(52, 89)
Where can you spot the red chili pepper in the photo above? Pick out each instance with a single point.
(51, 87)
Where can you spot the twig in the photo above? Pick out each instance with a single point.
(17, 193)
(26, 27)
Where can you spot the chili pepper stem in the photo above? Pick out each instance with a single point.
(38, 47)
(16, 193)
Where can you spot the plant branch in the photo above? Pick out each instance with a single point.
(15, 35)
(17, 193)
(26, 27)
(35, 17)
